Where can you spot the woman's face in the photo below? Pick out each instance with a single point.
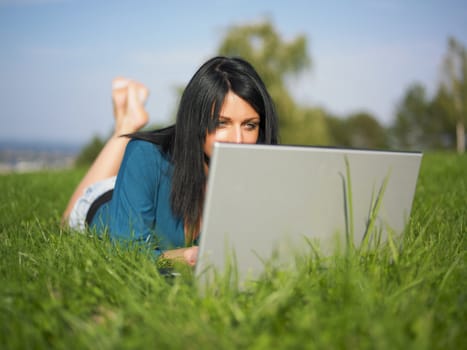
(238, 123)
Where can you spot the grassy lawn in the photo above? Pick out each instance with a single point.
(65, 290)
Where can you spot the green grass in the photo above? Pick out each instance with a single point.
(65, 290)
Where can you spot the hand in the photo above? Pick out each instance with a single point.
(186, 255)
(190, 255)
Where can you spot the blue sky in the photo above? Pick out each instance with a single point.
(58, 57)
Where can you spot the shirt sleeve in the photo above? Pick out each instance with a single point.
(134, 199)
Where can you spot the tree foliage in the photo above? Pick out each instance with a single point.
(359, 130)
(413, 119)
(89, 152)
(455, 88)
(309, 126)
(422, 122)
(364, 131)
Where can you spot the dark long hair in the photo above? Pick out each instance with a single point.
(198, 115)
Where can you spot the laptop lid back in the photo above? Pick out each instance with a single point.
(265, 201)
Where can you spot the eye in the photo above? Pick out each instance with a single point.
(253, 125)
(221, 123)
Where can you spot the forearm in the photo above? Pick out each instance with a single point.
(186, 255)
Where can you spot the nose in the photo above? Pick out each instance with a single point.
(237, 135)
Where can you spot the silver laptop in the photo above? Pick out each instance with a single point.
(266, 203)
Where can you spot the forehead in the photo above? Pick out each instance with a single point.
(235, 106)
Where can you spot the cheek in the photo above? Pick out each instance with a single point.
(220, 135)
(252, 137)
(210, 139)
(217, 136)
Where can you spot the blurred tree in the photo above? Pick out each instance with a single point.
(364, 131)
(359, 130)
(412, 119)
(89, 152)
(443, 109)
(338, 131)
(309, 126)
(455, 88)
(276, 60)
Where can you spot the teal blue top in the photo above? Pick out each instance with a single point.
(140, 207)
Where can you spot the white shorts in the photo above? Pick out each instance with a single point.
(77, 218)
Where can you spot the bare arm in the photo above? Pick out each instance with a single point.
(187, 255)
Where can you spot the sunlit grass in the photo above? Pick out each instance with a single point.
(66, 290)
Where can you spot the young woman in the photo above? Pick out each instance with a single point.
(149, 186)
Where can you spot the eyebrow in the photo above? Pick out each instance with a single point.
(246, 120)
